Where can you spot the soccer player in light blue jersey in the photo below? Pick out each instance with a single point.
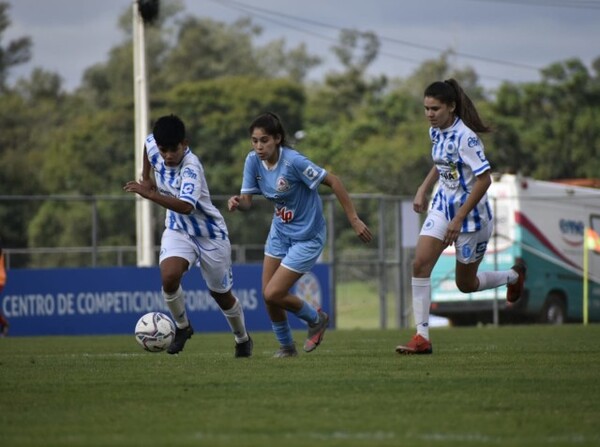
(195, 231)
(298, 231)
(460, 214)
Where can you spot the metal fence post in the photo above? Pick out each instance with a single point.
(332, 258)
(94, 232)
(382, 267)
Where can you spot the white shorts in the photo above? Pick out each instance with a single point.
(469, 247)
(213, 256)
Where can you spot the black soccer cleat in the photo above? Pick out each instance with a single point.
(181, 336)
(244, 349)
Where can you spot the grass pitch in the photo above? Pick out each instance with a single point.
(507, 386)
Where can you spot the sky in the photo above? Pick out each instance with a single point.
(503, 40)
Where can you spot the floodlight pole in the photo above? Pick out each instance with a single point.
(143, 207)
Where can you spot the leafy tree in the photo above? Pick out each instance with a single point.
(218, 112)
(550, 130)
(17, 51)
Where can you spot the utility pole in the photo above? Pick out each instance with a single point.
(144, 11)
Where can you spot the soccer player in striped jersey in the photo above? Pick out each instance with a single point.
(298, 231)
(460, 214)
(195, 231)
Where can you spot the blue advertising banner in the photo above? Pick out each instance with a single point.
(110, 300)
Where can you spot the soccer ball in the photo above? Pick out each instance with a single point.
(154, 332)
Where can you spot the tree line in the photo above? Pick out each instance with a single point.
(369, 130)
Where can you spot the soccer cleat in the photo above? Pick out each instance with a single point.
(316, 332)
(181, 336)
(244, 349)
(286, 351)
(417, 345)
(514, 291)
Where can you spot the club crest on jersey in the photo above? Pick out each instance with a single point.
(466, 251)
(311, 173)
(282, 184)
(451, 148)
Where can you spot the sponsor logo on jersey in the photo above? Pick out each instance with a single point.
(187, 188)
(311, 173)
(447, 176)
(189, 173)
(285, 214)
(282, 185)
(473, 141)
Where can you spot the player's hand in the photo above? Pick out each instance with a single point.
(452, 233)
(362, 230)
(420, 203)
(233, 203)
(144, 189)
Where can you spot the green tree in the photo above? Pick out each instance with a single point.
(17, 51)
(550, 130)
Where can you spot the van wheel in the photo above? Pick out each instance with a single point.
(554, 310)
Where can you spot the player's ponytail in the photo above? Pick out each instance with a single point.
(450, 92)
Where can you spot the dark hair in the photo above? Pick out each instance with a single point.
(271, 124)
(169, 131)
(449, 92)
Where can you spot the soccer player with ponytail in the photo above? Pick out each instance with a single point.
(460, 213)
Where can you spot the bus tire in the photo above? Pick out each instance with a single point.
(554, 310)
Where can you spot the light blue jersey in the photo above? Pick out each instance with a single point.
(292, 187)
(458, 155)
(188, 183)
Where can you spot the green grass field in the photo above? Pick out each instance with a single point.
(507, 386)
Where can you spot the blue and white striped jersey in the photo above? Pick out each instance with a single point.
(188, 183)
(292, 187)
(458, 155)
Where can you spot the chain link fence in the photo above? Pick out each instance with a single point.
(371, 277)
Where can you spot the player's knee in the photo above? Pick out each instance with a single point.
(421, 268)
(272, 296)
(466, 286)
(170, 281)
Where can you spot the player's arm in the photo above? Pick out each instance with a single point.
(338, 188)
(146, 188)
(151, 193)
(480, 187)
(146, 167)
(420, 201)
(242, 202)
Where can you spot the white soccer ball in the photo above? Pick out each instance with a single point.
(154, 331)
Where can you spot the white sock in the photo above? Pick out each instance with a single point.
(235, 318)
(491, 280)
(421, 296)
(176, 304)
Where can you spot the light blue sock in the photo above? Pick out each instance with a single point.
(283, 332)
(308, 314)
